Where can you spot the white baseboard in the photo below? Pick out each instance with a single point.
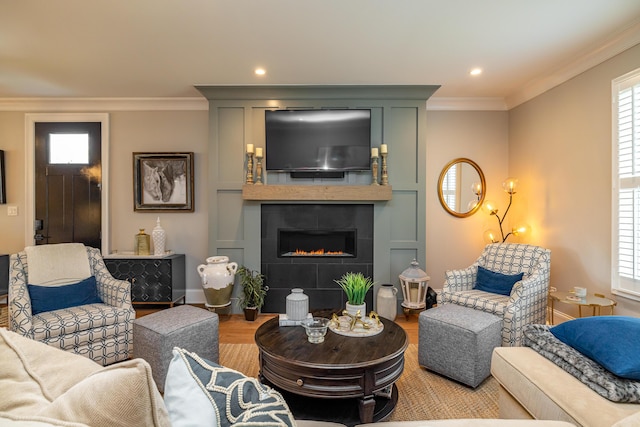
(559, 317)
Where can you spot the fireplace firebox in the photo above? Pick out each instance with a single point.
(309, 246)
(316, 243)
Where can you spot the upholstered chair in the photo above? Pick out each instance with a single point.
(526, 302)
(53, 298)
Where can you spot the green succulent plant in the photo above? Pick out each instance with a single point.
(355, 285)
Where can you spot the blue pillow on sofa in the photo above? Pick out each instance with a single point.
(49, 298)
(611, 341)
(497, 283)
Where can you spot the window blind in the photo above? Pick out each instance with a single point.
(626, 184)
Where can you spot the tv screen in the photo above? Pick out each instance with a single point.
(318, 140)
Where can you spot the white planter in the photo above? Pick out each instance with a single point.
(353, 309)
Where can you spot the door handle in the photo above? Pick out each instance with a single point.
(39, 237)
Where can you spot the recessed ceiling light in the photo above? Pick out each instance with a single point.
(475, 71)
(260, 71)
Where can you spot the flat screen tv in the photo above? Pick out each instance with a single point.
(318, 141)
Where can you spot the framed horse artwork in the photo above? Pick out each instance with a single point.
(163, 182)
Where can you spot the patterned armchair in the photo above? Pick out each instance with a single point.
(528, 300)
(102, 332)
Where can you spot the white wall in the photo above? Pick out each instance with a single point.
(130, 131)
(481, 136)
(560, 148)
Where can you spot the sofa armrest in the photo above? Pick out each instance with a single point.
(113, 292)
(20, 317)
(460, 280)
(527, 305)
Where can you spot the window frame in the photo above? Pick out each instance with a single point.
(621, 285)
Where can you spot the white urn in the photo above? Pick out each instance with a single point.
(217, 277)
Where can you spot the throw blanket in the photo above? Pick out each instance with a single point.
(59, 264)
(597, 378)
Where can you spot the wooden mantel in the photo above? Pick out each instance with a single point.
(316, 192)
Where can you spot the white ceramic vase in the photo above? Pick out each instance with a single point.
(159, 237)
(386, 302)
(218, 276)
(297, 305)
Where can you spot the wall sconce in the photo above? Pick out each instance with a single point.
(509, 186)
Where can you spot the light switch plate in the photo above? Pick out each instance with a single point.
(12, 211)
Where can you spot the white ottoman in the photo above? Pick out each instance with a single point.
(192, 328)
(457, 342)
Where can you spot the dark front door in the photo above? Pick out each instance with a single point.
(68, 183)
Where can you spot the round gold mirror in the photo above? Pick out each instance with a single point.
(461, 187)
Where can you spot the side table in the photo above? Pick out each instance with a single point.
(595, 301)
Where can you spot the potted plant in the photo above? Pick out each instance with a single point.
(355, 286)
(253, 292)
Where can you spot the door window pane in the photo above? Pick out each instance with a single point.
(69, 148)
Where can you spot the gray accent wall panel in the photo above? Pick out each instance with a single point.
(398, 119)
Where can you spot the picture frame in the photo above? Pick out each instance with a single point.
(3, 185)
(163, 182)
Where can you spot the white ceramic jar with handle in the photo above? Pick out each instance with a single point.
(217, 280)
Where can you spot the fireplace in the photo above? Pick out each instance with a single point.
(309, 246)
(316, 243)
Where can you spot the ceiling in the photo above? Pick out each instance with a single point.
(163, 48)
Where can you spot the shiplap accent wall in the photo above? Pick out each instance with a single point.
(236, 118)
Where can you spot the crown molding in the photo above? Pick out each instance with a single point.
(615, 45)
(34, 105)
(466, 104)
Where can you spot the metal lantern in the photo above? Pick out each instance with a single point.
(415, 283)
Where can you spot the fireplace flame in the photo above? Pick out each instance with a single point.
(300, 252)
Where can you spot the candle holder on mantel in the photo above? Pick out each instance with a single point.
(249, 168)
(385, 177)
(258, 170)
(374, 170)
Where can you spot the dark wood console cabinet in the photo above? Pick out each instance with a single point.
(154, 280)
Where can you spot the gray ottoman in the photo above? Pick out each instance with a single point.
(155, 335)
(457, 342)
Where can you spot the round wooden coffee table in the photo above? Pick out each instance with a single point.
(341, 367)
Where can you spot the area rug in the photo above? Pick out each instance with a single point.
(423, 395)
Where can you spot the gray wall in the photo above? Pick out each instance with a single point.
(398, 119)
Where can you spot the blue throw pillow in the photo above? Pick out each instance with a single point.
(49, 298)
(611, 341)
(497, 283)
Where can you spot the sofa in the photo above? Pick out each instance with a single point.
(532, 386)
(44, 386)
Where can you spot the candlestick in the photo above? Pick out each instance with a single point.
(374, 170)
(385, 178)
(250, 165)
(249, 148)
(374, 152)
(258, 166)
(383, 149)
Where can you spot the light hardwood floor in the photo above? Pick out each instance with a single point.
(233, 329)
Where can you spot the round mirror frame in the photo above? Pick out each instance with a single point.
(482, 182)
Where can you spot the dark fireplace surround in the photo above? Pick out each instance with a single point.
(309, 246)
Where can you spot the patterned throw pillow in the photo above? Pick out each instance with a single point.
(203, 393)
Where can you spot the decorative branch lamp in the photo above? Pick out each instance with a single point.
(509, 186)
